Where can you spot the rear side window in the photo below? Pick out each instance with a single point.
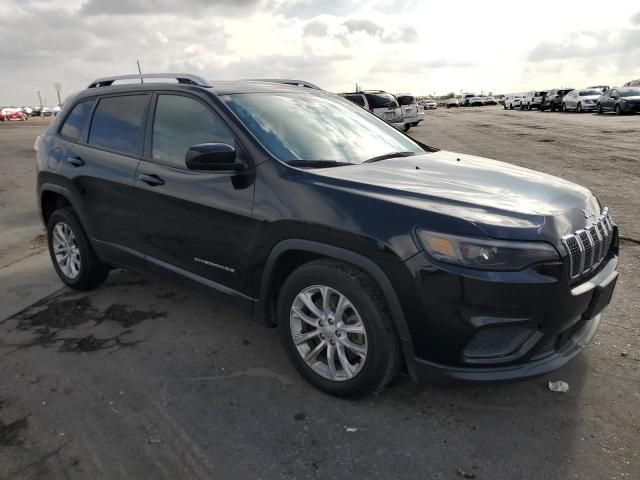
(181, 122)
(381, 100)
(74, 124)
(357, 99)
(406, 100)
(117, 123)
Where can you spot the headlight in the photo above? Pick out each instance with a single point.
(485, 254)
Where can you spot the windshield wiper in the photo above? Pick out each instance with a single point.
(317, 163)
(390, 155)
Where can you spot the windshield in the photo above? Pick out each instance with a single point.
(304, 126)
(589, 93)
(406, 100)
(630, 92)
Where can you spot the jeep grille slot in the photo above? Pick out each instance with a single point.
(589, 246)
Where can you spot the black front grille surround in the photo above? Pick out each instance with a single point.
(589, 246)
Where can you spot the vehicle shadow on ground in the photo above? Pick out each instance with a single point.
(154, 380)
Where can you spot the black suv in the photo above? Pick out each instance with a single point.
(553, 99)
(373, 253)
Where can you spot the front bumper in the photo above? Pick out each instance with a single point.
(505, 326)
(589, 106)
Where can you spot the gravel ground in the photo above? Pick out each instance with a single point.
(140, 379)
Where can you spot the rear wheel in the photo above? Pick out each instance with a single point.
(336, 329)
(618, 110)
(600, 112)
(564, 107)
(406, 127)
(73, 257)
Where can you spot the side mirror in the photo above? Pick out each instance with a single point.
(213, 157)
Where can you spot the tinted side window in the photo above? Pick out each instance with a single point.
(117, 122)
(406, 100)
(381, 100)
(77, 119)
(357, 99)
(181, 122)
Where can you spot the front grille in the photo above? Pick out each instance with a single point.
(589, 246)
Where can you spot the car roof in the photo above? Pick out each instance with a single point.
(215, 87)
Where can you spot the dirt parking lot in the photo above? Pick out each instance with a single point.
(141, 379)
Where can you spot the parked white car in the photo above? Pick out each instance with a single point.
(533, 100)
(452, 103)
(409, 107)
(429, 104)
(513, 100)
(581, 100)
(382, 104)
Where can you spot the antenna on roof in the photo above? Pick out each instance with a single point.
(140, 71)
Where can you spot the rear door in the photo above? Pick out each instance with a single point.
(102, 164)
(193, 224)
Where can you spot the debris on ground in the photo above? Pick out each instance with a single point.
(465, 474)
(351, 429)
(559, 386)
(300, 416)
(152, 440)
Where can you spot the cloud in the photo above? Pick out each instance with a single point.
(590, 45)
(402, 35)
(312, 8)
(184, 7)
(636, 19)
(367, 26)
(315, 28)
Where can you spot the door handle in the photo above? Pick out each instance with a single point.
(152, 180)
(75, 161)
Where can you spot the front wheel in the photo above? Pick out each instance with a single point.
(579, 108)
(564, 107)
(600, 112)
(336, 329)
(73, 258)
(618, 110)
(406, 127)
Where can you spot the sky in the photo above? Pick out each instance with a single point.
(417, 46)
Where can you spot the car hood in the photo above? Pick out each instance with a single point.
(590, 97)
(501, 199)
(634, 99)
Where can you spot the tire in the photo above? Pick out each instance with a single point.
(600, 111)
(331, 279)
(618, 110)
(564, 107)
(579, 108)
(552, 107)
(87, 272)
(406, 127)
(511, 106)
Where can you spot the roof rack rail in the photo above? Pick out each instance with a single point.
(184, 78)
(286, 81)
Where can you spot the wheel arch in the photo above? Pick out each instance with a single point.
(292, 253)
(51, 198)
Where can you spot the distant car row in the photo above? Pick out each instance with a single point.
(23, 113)
(400, 110)
(600, 98)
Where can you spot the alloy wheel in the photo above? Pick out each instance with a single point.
(328, 333)
(66, 250)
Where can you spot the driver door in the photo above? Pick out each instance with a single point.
(193, 224)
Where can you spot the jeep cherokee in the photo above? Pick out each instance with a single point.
(371, 252)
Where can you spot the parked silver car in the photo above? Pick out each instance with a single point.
(581, 100)
(451, 103)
